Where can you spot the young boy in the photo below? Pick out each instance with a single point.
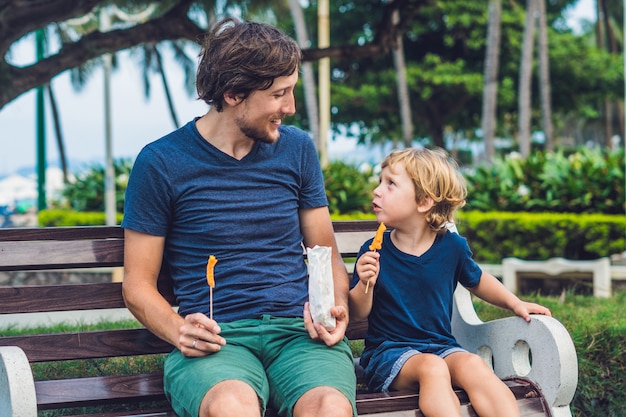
(409, 344)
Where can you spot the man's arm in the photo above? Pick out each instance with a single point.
(317, 229)
(142, 262)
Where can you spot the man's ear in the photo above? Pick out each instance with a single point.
(232, 99)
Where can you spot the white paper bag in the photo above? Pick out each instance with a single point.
(321, 286)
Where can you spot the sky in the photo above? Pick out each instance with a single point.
(136, 121)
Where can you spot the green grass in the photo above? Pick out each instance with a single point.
(14, 330)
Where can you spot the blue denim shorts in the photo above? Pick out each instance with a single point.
(382, 365)
(275, 356)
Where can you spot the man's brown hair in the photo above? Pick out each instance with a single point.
(241, 57)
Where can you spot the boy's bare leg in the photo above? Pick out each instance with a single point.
(429, 373)
(489, 396)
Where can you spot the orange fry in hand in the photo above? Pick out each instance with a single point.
(209, 271)
(377, 243)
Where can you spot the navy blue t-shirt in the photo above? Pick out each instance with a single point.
(413, 295)
(244, 212)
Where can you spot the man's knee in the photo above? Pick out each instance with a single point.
(323, 401)
(230, 398)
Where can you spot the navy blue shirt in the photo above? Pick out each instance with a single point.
(244, 212)
(413, 295)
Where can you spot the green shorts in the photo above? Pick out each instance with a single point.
(274, 355)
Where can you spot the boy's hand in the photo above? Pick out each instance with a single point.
(524, 309)
(367, 267)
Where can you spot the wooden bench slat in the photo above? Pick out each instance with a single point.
(77, 392)
(137, 413)
(107, 343)
(62, 233)
(67, 297)
(88, 345)
(52, 254)
(47, 298)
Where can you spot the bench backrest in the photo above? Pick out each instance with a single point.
(96, 247)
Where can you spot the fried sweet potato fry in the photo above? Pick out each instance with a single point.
(209, 271)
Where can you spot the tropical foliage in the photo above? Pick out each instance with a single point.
(86, 193)
(584, 181)
(348, 189)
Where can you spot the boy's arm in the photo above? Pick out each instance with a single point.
(361, 301)
(492, 291)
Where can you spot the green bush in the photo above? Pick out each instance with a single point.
(348, 189)
(58, 217)
(496, 235)
(86, 192)
(586, 181)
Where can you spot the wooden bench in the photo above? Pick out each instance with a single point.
(544, 387)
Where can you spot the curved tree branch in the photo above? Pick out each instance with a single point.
(18, 18)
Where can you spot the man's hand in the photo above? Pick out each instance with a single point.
(199, 336)
(318, 332)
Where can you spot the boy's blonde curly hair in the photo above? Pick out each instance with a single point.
(435, 174)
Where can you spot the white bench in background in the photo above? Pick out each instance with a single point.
(600, 269)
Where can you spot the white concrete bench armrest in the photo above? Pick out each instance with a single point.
(17, 387)
(541, 351)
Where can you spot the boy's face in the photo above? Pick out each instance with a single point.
(261, 114)
(394, 198)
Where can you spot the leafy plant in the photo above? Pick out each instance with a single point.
(585, 181)
(348, 189)
(86, 193)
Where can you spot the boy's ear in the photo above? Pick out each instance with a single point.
(425, 205)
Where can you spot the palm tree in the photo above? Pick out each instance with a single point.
(403, 88)
(308, 76)
(607, 28)
(544, 75)
(525, 75)
(490, 91)
(56, 120)
(152, 61)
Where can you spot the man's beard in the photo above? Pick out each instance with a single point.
(254, 133)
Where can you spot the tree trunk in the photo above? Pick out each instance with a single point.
(56, 119)
(166, 88)
(490, 90)
(525, 80)
(308, 76)
(544, 76)
(403, 88)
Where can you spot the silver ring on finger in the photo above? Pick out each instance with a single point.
(195, 342)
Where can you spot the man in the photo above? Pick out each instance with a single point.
(238, 185)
